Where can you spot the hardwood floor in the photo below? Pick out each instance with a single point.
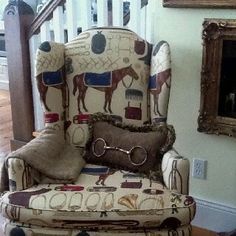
(5, 122)
(6, 135)
(202, 232)
(5, 130)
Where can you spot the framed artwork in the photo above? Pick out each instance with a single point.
(217, 114)
(200, 3)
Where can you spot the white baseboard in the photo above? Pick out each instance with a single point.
(214, 216)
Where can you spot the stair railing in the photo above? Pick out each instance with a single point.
(60, 21)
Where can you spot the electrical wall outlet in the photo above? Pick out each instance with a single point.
(199, 169)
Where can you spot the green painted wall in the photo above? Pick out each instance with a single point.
(182, 29)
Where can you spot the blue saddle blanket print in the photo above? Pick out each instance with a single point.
(152, 83)
(95, 170)
(52, 78)
(98, 80)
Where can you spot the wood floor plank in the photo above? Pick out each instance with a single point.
(202, 232)
(5, 122)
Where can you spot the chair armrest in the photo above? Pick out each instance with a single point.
(175, 171)
(19, 174)
(22, 164)
(4, 183)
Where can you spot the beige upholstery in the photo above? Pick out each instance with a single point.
(114, 71)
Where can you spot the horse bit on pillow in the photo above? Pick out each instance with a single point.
(131, 154)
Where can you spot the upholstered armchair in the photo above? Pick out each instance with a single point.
(107, 85)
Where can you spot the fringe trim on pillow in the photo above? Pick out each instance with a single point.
(96, 117)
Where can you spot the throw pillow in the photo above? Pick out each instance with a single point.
(120, 146)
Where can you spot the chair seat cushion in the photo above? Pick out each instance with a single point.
(102, 198)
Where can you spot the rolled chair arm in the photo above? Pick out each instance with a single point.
(175, 171)
(22, 172)
(19, 174)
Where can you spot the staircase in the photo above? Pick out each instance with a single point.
(60, 21)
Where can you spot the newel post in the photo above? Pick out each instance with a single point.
(18, 17)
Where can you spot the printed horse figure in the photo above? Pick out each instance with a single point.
(116, 77)
(103, 177)
(43, 88)
(161, 79)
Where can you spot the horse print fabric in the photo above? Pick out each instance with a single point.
(159, 80)
(103, 199)
(113, 71)
(99, 70)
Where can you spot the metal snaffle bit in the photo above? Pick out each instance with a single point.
(130, 153)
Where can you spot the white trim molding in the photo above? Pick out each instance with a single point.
(214, 216)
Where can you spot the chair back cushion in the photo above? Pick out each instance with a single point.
(109, 70)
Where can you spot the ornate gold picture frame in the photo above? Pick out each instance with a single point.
(218, 85)
(200, 3)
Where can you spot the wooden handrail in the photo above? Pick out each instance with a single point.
(44, 15)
